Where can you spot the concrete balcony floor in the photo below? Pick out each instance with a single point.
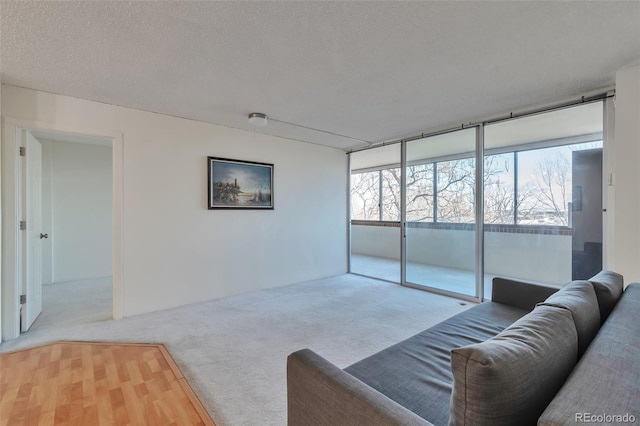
(450, 279)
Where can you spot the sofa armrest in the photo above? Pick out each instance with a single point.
(520, 294)
(319, 393)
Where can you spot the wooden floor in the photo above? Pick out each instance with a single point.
(81, 383)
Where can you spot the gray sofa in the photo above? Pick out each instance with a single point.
(531, 355)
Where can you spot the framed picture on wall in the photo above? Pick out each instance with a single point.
(236, 184)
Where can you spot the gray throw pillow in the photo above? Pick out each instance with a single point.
(511, 378)
(608, 286)
(580, 298)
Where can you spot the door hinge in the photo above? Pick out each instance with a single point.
(23, 299)
(23, 225)
(23, 151)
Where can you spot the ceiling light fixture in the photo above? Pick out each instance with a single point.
(257, 119)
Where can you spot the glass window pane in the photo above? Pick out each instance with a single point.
(441, 255)
(375, 195)
(544, 185)
(391, 181)
(365, 201)
(456, 191)
(499, 191)
(420, 193)
(558, 185)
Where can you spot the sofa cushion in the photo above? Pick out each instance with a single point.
(319, 393)
(580, 298)
(607, 378)
(608, 286)
(416, 373)
(518, 293)
(511, 378)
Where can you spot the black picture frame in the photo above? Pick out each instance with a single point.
(239, 184)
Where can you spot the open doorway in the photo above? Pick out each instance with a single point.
(21, 297)
(76, 237)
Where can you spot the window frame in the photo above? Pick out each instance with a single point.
(513, 149)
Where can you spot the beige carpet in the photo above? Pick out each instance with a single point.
(233, 351)
(75, 303)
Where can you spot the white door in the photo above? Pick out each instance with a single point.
(31, 243)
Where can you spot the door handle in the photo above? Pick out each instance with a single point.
(44, 236)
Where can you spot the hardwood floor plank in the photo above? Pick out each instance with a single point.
(86, 383)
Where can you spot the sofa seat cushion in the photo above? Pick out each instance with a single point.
(416, 372)
(608, 286)
(510, 379)
(580, 298)
(607, 378)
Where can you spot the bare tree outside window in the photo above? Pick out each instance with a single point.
(420, 193)
(543, 193)
(546, 178)
(456, 191)
(499, 194)
(391, 181)
(365, 188)
(554, 187)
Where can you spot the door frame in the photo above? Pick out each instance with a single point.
(12, 213)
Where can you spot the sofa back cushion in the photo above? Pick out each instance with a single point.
(605, 381)
(608, 286)
(579, 297)
(511, 378)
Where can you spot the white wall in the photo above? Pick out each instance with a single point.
(623, 206)
(440, 247)
(378, 241)
(81, 231)
(535, 257)
(175, 251)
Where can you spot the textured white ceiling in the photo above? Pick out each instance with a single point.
(367, 70)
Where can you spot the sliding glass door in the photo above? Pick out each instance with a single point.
(440, 222)
(375, 213)
(543, 196)
(416, 204)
